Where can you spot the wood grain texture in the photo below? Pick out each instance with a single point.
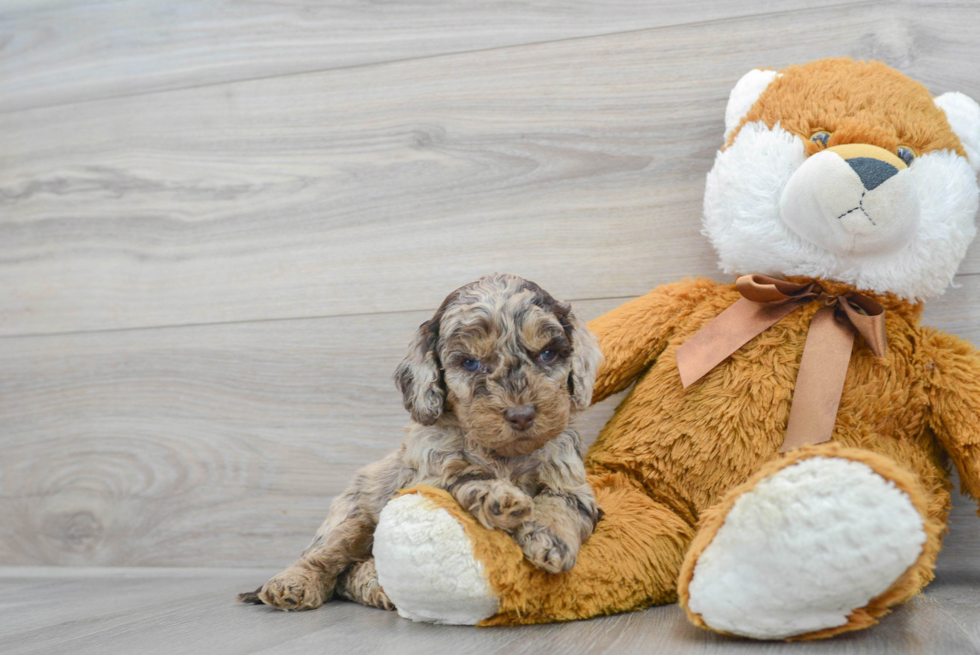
(59, 52)
(217, 445)
(319, 194)
(200, 446)
(958, 310)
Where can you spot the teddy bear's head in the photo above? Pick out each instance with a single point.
(846, 171)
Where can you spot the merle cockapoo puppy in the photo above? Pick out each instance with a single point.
(491, 381)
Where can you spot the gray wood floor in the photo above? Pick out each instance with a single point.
(183, 610)
(220, 223)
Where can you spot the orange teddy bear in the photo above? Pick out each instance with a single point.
(743, 491)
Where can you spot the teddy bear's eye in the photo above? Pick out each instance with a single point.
(820, 138)
(906, 155)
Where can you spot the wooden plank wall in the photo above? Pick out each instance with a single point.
(220, 223)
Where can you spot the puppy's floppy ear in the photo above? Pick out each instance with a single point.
(586, 360)
(419, 378)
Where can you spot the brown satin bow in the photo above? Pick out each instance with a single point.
(826, 353)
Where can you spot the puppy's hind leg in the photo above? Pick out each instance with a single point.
(360, 584)
(345, 537)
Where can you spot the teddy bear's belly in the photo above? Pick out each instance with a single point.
(672, 439)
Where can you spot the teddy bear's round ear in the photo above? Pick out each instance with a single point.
(963, 114)
(743, 96)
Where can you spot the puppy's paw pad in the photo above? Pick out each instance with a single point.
(508, 507)
(548, 552)
(293, 589)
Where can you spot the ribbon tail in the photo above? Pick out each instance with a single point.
(725, 334)
(820, 381)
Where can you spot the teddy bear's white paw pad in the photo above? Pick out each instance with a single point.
(804, 548)
(426, 565)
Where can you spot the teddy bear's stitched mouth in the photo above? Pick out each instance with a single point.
(859, 207)
(826, 203)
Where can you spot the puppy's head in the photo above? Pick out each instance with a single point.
(507, 360)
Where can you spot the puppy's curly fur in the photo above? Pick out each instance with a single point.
(491, 382)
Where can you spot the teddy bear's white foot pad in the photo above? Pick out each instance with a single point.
(804, 548)
(426, 565)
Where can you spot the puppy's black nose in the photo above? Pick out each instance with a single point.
(871, 171)
(520, 417)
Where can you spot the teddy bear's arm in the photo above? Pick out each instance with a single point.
(633, 335)
(953, 382)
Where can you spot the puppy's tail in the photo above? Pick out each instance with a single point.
(250, 597)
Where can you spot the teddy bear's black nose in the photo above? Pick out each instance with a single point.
(871, 171)
(520, 417)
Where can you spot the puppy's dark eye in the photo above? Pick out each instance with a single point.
(820, 138)
(548, 356)
(906, 155)
(471, 364)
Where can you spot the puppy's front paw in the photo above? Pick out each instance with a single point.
(294, 589)
(546, 550)
(504, 507)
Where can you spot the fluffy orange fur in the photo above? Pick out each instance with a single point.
(856, 102)
(655, 466)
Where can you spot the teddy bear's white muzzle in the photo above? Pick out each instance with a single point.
(852, 200)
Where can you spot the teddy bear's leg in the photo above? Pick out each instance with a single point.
(438, 564)
(822, 541)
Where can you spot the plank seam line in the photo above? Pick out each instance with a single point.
(864, 3)
(313, 317)
(243, 321)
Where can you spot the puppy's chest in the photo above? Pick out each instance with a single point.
(437, 462)
(523, 472)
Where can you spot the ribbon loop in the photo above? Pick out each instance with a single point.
(826, 353)
(868, 317)
(762, 288)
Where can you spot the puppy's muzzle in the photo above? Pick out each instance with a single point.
(520, 417)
